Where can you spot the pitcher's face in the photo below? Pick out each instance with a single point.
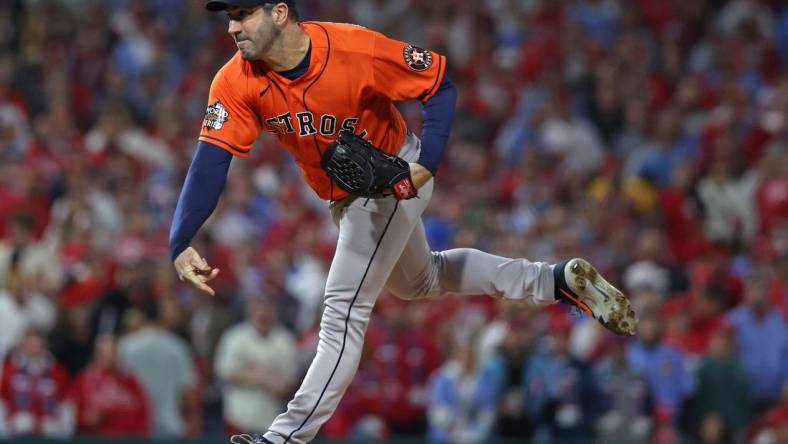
(253, 30)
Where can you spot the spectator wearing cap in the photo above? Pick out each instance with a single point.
(161, 361)
(109, 401)
(256, 361)
(33, 392)
(761, 338)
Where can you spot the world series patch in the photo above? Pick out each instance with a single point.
(418, 59)
(215, 116)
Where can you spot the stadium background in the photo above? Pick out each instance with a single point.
(646, 135)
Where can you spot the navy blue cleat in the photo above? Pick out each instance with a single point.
(254, 438)
(578, 283)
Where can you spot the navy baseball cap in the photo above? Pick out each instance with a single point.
(221, 5)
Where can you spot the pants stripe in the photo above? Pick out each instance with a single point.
(347, 319)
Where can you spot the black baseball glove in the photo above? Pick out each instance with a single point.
(363, 170)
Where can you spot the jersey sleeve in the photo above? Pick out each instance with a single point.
(406, 72)
(230, 122)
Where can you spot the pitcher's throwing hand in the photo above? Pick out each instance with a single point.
(193, 268)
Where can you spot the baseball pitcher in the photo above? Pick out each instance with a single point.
(327, 92)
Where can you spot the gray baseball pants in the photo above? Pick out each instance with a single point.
(382, 244)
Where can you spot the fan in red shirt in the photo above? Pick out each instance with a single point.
(109, 401)
(695, 316)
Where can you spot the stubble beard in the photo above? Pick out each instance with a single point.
(261, 44)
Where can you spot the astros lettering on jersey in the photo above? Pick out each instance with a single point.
(354, 76)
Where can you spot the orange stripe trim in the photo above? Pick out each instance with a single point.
(577, 302)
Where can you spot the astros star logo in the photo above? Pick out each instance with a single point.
(416, 58)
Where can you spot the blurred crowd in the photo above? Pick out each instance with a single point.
(649, 136)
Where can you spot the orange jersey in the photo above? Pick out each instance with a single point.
(354, 77)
